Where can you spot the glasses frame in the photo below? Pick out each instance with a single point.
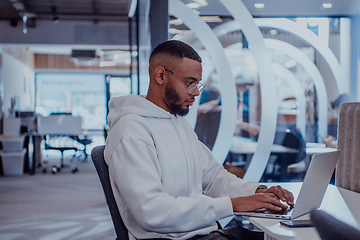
(192, 86)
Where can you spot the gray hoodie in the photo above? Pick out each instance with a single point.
(167, 184)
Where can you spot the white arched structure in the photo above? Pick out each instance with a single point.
(298, 92)
(303, 32)
(268, 88)
(267, 81)
(315, 75)
(212, 44)
(301, 58)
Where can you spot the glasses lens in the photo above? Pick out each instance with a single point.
(200, 86)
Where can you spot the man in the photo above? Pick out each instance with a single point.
(167, 184)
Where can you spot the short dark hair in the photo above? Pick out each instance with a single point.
(177, 49)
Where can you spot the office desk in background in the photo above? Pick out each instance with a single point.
(340, 203)
(247, 146)
(243, 145)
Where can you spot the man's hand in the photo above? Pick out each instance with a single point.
(257, 201)
(264, 198)
(281, 193)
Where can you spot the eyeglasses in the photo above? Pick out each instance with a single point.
(200, 86)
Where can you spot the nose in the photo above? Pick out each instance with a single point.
(195, 93)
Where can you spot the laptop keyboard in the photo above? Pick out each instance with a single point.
(282, 212)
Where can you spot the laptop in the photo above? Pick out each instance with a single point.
(312, 191)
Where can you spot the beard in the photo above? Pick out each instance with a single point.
(172, 98)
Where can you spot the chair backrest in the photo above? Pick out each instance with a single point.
(97, 156)
(330, 228)
(348, 140)
(291, 138)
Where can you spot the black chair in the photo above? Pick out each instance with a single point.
(330, 228)
(97, 156)
(279, 162)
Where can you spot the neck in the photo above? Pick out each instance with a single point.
(153, 97)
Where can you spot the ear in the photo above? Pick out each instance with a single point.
(159, 75)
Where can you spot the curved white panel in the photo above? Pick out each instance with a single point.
(298, 91)
(215, 49)
(315, 75)
(267, 88)
(302, 59)
(311, 38)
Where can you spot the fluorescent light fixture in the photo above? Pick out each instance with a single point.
(195, 11)
(327, 5)
(197, 4)
(211, 19)
(273, 32)
(107, 64)
(176, 22)
(259, 5)
(173, 31)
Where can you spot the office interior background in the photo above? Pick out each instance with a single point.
(276, 64)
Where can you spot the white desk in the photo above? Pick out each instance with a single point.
(338, 202)
(315, 150)
(242, 145)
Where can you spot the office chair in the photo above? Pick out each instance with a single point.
(62, 144)
(97, 156)
(277, 169)
(330, 228)
(59, 131)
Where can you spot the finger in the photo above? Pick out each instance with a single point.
(272, 207)
(284, 195)
(271, 198)
(287, 196)
(275, 202)
(277, 191)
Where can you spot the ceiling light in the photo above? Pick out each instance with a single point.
(259, 5)
(327, 5)
(176, 22)
(195, 11)
(107, 64)
(197, 4)
(273, 32)
(173, 31)
(212, 19)
(193, 5)
(25, 18)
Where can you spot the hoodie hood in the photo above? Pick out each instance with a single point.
(134, 104)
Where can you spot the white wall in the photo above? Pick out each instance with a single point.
(18, 80)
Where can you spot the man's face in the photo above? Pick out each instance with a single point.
(177, 98)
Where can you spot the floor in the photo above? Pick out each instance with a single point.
(58, 206)
(48, 206)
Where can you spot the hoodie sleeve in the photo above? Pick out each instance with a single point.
(135, 171)
(218, 182)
